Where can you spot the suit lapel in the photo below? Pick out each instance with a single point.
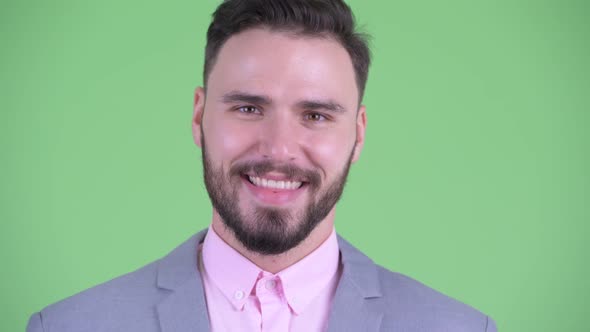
(359, 284)
(184, 308)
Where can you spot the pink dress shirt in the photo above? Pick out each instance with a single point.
(242, 297)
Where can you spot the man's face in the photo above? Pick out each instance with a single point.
(279, 128)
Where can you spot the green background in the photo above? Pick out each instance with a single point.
(474, 178)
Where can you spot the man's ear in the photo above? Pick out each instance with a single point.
(361, 127)
(198, 109)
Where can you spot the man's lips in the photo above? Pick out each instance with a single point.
(272, 192)
(274, 182)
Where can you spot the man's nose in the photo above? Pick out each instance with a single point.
(279, 139)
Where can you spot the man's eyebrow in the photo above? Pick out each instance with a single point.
(243, 97)
(327, 105)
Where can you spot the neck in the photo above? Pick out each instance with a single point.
(277, 263)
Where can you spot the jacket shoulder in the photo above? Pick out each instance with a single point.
(127, 303)
(411, 301)
(127, 298)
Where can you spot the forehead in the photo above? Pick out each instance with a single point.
(284, 66)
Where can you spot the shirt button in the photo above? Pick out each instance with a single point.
(238, 295)
(271, 284)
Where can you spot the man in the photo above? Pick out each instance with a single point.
(279, 121)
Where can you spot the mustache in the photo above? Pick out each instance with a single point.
(260, 168)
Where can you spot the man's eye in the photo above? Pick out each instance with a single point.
(248, 109)
(315, 117)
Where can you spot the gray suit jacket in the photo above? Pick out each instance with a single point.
(167, 296)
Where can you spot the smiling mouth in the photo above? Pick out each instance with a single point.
(274, 184)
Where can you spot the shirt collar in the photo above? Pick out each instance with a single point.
(304, 280)
(235, 276)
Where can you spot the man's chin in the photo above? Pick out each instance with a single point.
(269, 231)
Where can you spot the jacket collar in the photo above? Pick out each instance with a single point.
(358, 284)
(359, 269)
(185, 308)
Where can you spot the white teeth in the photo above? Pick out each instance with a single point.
(272, 184)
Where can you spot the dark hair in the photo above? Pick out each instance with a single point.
(331, 18)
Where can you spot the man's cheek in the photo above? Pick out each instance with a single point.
(225, 143)
(330, 151)
(231, 143)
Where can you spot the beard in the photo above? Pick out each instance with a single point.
(266, 230)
